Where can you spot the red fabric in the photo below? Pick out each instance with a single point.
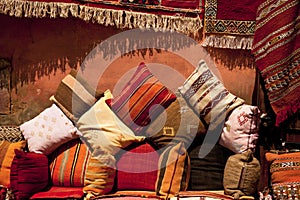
(192, 4)
(137, 169)
(59, 192)
(29, 174)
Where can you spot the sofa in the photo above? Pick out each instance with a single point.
(144, 142)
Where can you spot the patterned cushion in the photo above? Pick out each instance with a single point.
(101, 127)
(11, 133)
(181, 125)
(68, 164)
(285, 174)
(74, 95)
(29, 174)
(240, 131)
(142, 174)
(100, 174)
(140, 95)
(48, 130)
(7, 154)
(208, 97)
(174, 171)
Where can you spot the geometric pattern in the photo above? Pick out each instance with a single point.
(11, 133)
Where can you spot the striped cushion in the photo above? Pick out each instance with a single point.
(139, 95)
(174, 171)
(100, 174)
(7, 154)
(74, 95)
(68, 164)
(207, 96)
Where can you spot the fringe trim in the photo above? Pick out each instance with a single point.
(229, 42)
(108, 17)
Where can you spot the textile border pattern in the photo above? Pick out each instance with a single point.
(108, 14)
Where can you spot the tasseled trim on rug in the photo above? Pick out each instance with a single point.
(229, 42)
(108, 17)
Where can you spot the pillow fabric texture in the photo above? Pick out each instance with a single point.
(11, 133)
(240, 131)
(100, 127)
(7, 154)
(74, 95)
(48, 130)
(68, 164)
(241, 175)
(285, 174)
(208, 97)
(142, 98)
(29, 174)
(137, 168)
(174, 171)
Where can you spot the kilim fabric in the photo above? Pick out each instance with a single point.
(276, 48)
(68, 164)
(11, 133)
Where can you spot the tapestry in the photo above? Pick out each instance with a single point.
(276, 48)
(229, 24)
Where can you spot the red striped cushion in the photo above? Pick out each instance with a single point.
(68, 164)
(139, 95)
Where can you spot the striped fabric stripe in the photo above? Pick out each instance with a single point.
(139, 95)
(68, 164)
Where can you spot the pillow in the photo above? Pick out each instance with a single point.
(29, 174)
(100, 127)
(285, 174)
(180, 124)
(48, 130)
(142, 174)
(74, 96)
(140, 98)
(7, 154)
(68, 164)
(11, 133)
(241, 175)
(174, 171)
(240, 131)
(208, 97)
(100, 174)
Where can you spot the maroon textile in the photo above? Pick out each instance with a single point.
(59, 192)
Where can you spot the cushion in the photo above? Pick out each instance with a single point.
(101, 127)
(208, 97)
(178, 124)
(56, 192)
(74, 95)
(240, 131)
(143, 96)
(11, 133)
(174, 171)
(142, 174)
(100, 174)
(48, 130)
(29, 174)
(7, 154)
(241, 175)
(285, 174)
(68, 164)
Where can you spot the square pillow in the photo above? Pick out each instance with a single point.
(174, 171)
(140, 98)
(142, 174)
(74, 95)
(100, 127)
(285, 174)
(208, 97)
(11, 133)
(240, 131)
(7, 154)
(48, 130)
(29, 174)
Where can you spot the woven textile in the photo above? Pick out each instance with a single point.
(11, 133)
(276, 48)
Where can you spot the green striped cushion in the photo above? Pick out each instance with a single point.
(174, 171)
(74, 95)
